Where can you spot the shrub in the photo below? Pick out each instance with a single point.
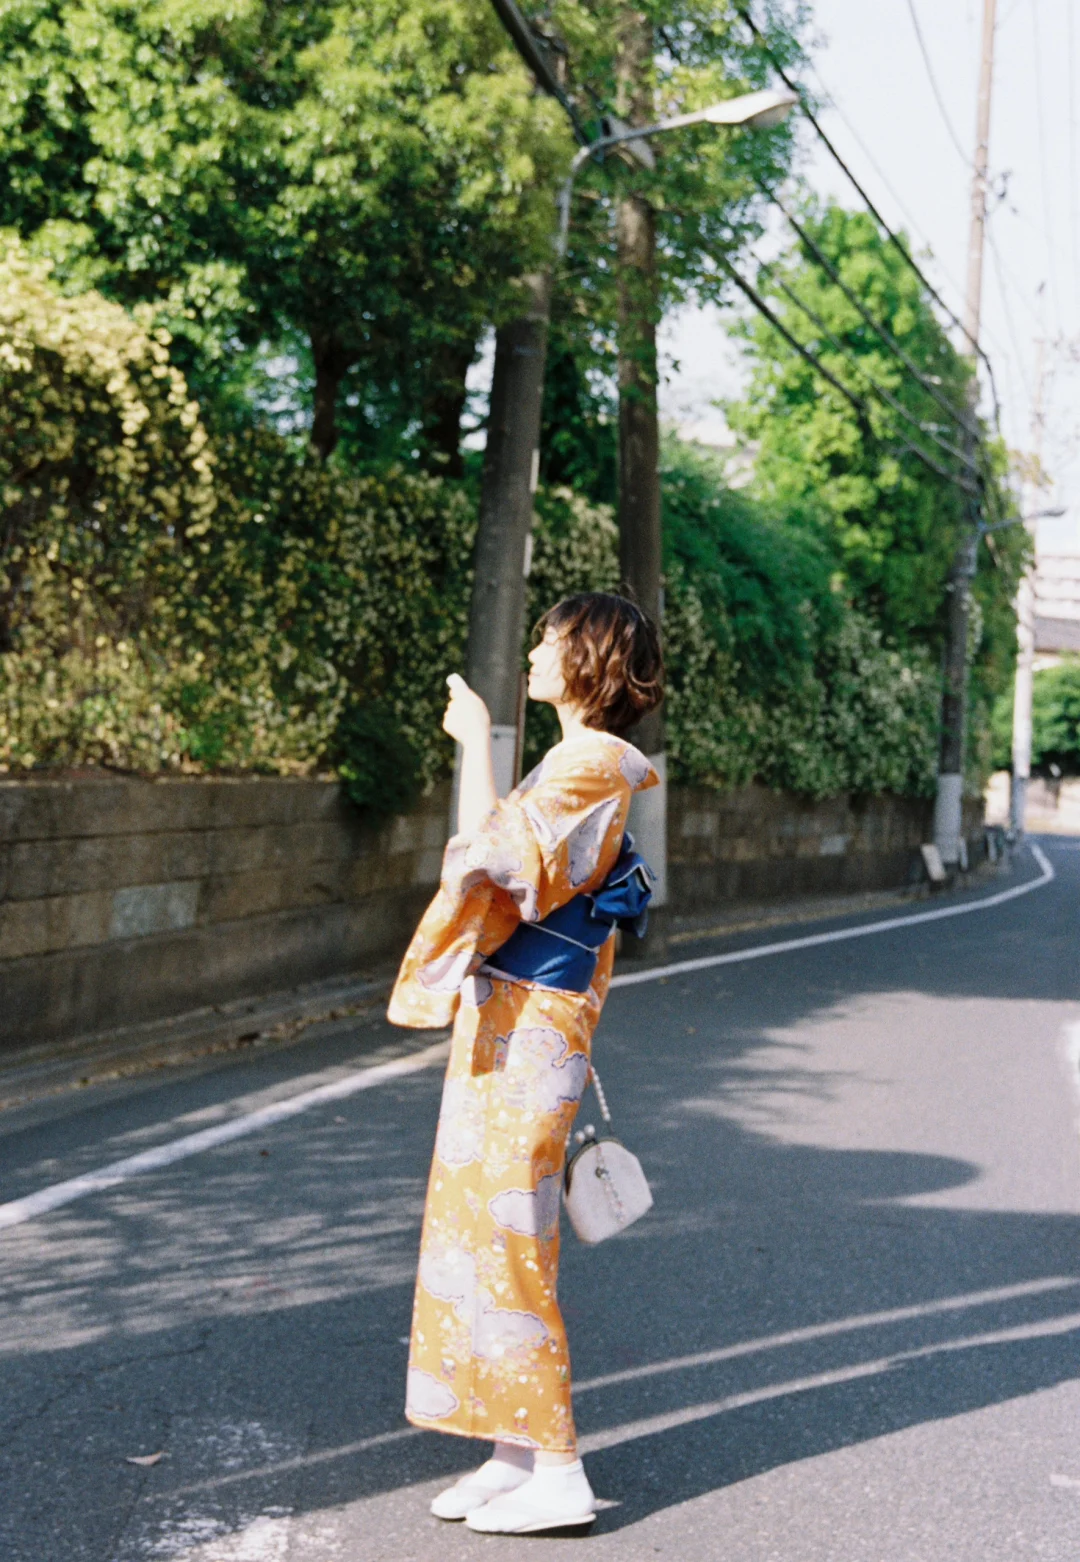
(163, 606)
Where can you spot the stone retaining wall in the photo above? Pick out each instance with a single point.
(754, 844)
(128, 900)
(123, 901)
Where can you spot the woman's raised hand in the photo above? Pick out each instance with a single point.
(466, 718)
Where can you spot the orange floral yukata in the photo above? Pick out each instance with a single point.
(488, 1356)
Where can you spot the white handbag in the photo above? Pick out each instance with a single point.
(604, 1188)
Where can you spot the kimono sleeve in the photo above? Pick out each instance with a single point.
(548, 840)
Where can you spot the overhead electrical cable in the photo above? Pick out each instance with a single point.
(986, 334)
(874, 385)
(858, 402)
(995, 256)
(853, 130)
(875, 325)
(1040, 121)
(1015, 285)
(935, 89)
(893, 238)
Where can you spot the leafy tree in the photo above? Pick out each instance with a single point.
(102, 453)
(326, 204)
(893, 523)
(765, 582)
(705, 191)
(1055, 721)
(351, 183)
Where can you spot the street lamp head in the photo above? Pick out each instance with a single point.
(756, 110)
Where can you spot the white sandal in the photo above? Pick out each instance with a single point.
(536, 1505)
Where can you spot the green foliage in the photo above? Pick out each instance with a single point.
(107, 494)
(766, 584)
(706, 192)
(772, 674)
(379, 768)
(354, 185)
(168, 605)
(326, 205)
(1055, 721)
(893, 524)
(160, 608)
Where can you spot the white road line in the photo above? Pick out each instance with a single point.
(607, 1438)
(836, 1326)
(686, 1416)
(865, 930)
(20, 1210)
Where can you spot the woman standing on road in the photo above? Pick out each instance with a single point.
(488, 1356)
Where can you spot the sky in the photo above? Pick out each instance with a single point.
(913, 159)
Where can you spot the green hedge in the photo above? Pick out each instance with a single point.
(168, 606)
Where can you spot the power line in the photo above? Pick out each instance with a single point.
(995, 255)
(935, 89)
(1016, 286)
(858, 402)
(853, 130)
(834, 103)
(873, 384)
(893, 238)
(875, 325)
(1040, 120)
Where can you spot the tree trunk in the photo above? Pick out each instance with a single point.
(511, 461)
(443, 405)
(332, 362)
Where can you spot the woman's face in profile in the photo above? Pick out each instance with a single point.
(545, 670)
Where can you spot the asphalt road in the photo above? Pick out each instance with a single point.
(850, 1329)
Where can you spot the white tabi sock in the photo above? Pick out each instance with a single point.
(554, 1496)
(508, 1468)
(512, 1454)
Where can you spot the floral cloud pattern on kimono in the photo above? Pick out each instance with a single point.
(488, 1355)
(529, 1212)
(427, 1398)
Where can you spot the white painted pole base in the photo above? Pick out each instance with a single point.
(648, 825)
(1018, 803)
(948, 817)
(503, 752)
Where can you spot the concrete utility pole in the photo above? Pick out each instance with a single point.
(640, 559)
(1025, 629)
(511, 469)
(504, 533)
(948, 806)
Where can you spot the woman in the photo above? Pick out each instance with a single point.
(488, 1354)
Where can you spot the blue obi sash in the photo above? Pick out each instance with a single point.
(562, 950)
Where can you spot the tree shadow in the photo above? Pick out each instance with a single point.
(784, 1300)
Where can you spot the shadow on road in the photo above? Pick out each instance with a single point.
(783, 1301)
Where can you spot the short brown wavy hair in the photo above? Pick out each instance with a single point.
(611, 659)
